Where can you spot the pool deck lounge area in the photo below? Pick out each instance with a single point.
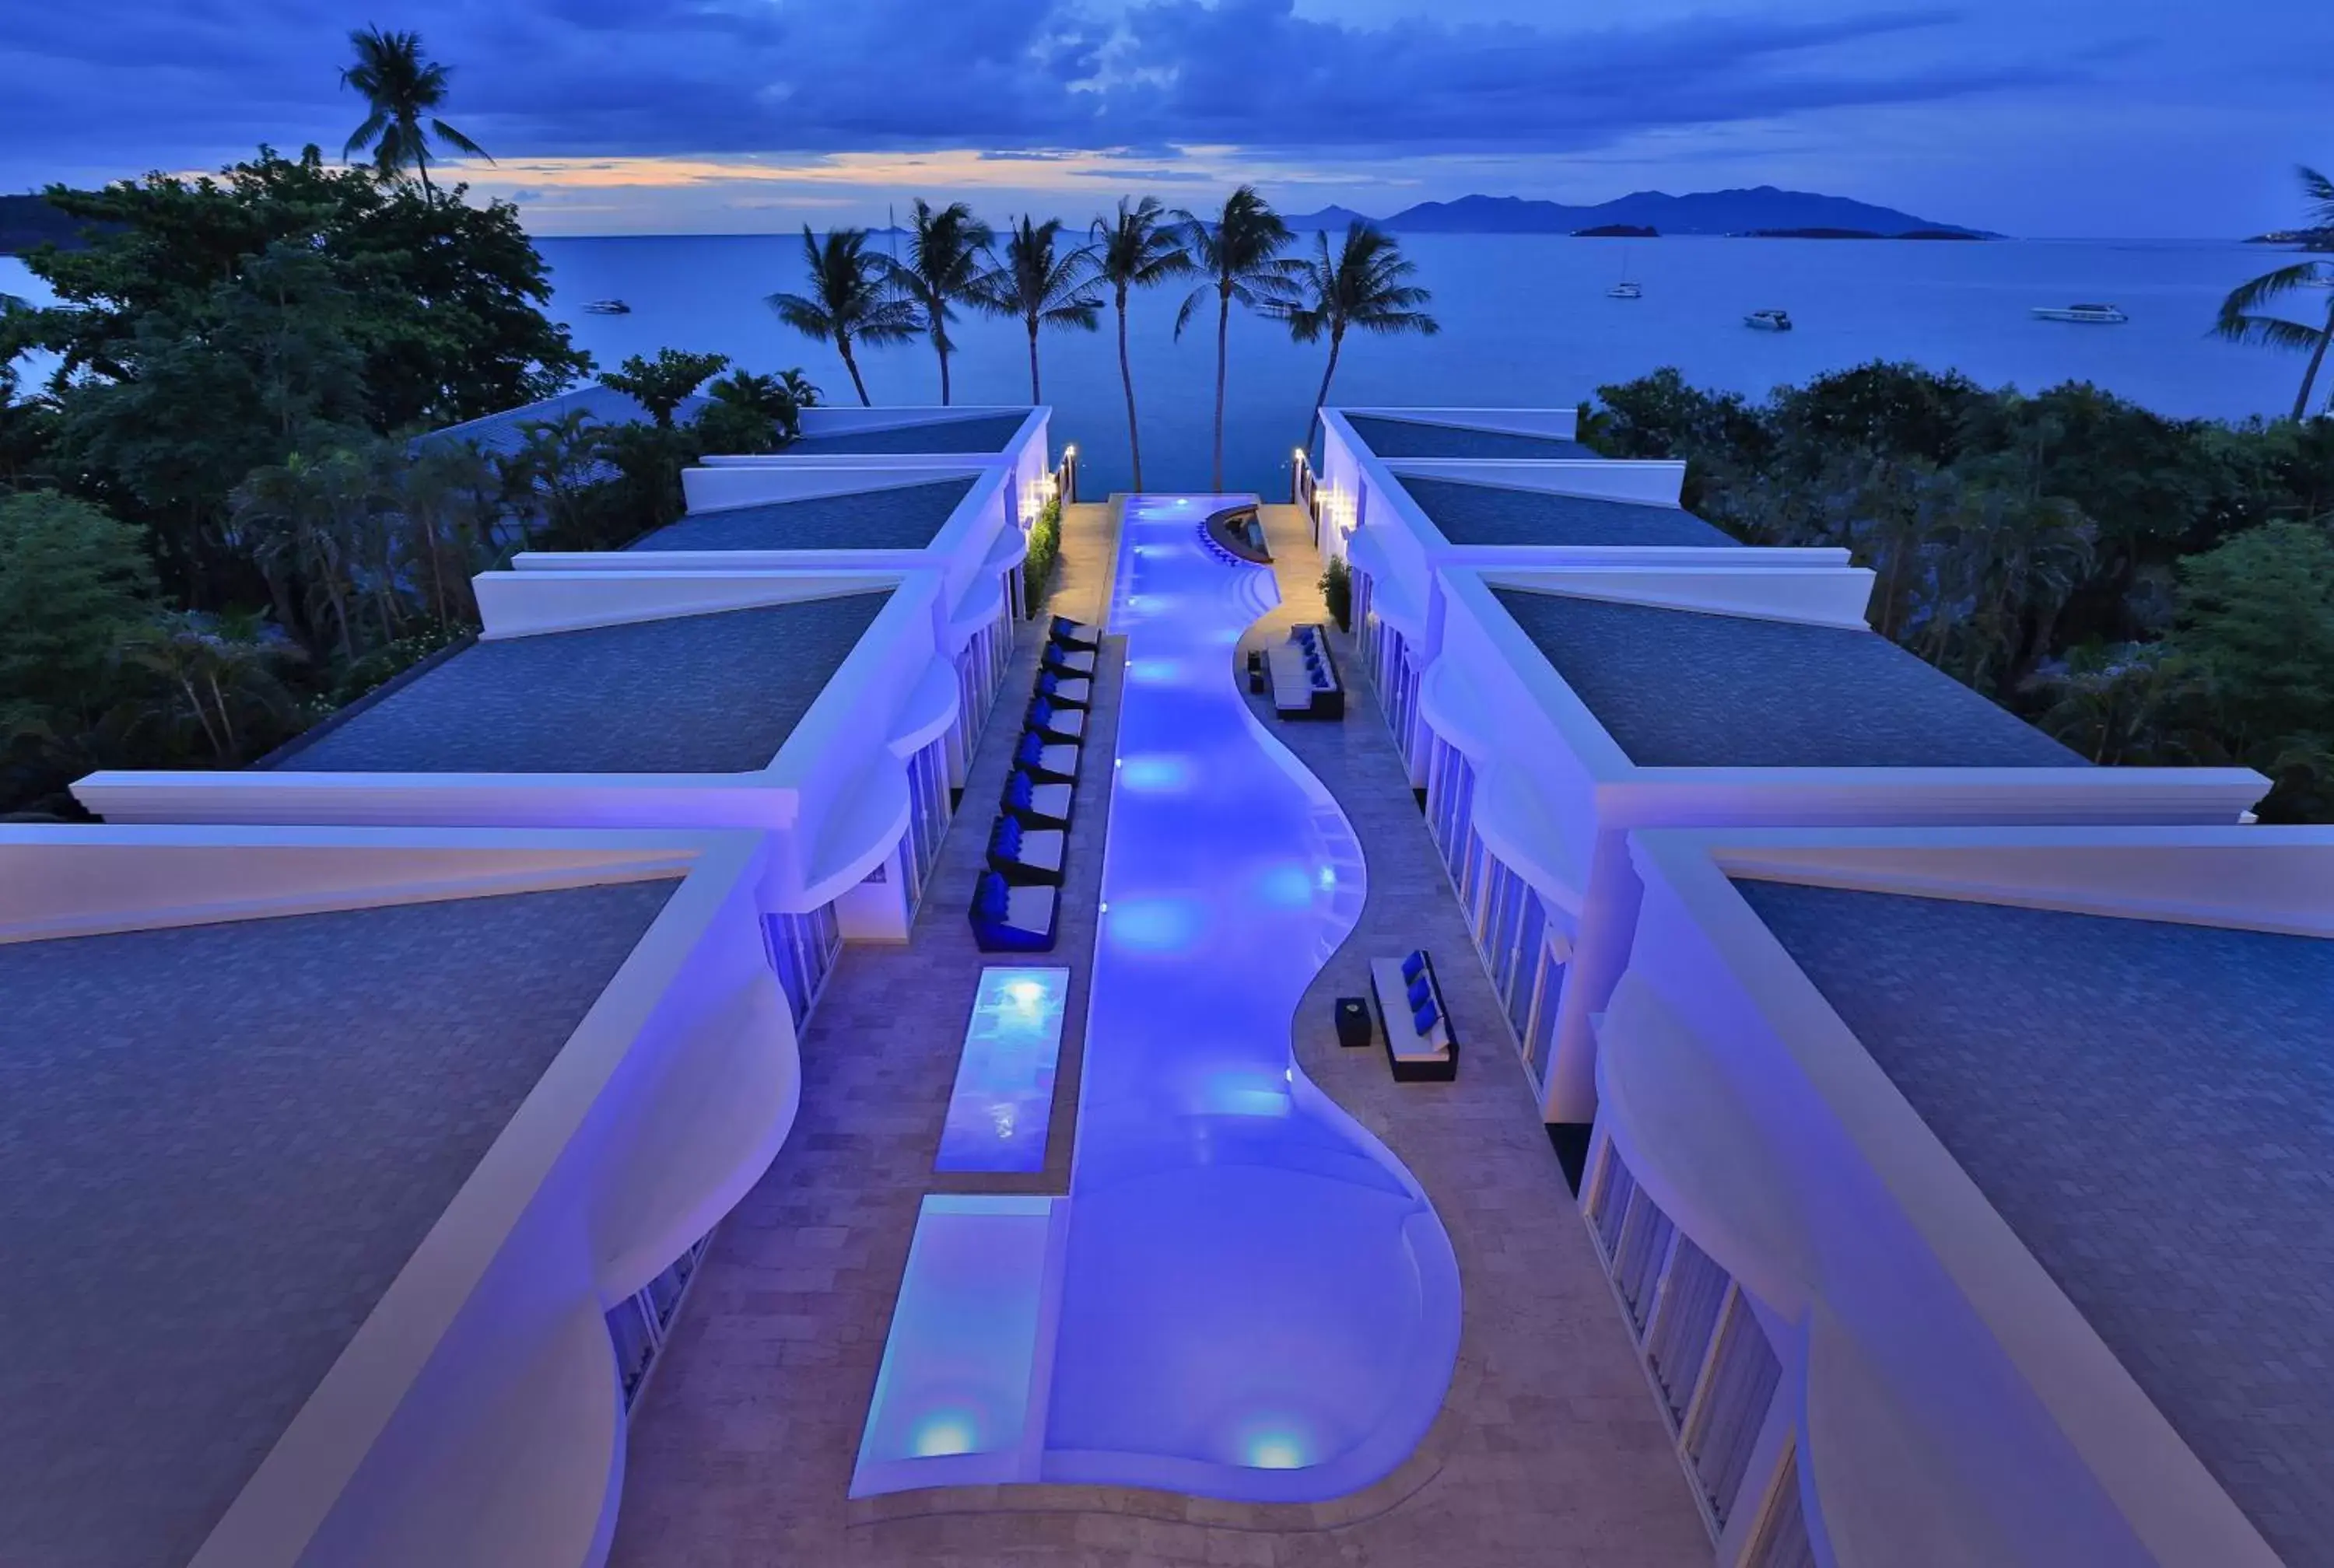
(2018, 1136)
(542, 1116)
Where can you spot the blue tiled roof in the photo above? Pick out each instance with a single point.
(711, 693)
(979, 433)
(1479, 515)
(1398, 437)
(1679, 689)
(896, 518)
(218, 1144)
(2151, 1108)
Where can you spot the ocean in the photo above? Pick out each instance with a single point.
(1525, 321)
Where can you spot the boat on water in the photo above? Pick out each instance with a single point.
(609, 308)
(1769, 321)
(2096, 315)
(1624, 290)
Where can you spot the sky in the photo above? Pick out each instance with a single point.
(2144, 119)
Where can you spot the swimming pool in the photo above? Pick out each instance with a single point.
(1248, 1296)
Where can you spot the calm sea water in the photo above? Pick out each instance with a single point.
(1525, 320)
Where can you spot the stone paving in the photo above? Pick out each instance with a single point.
(1549, 1448)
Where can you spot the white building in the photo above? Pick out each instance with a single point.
(1966, 1189)
(815, 664)
(323, 1152)
(1564, 655)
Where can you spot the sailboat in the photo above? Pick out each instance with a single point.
(1624, 289)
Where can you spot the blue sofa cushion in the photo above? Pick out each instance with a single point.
(1424, 1017)
(1420, 992)
(1414, 967)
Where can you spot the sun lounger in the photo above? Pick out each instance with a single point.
(1304, 677)
(1037, 805)
(1025, 856)
(1069, 660)
(1066, 725)
(1066, 633)
(1045, 763)
(1011, 920)
(1420, 1046)
(1064, 690)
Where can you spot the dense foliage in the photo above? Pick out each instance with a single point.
(1045, 551)
(2148, 590)
(217, 522)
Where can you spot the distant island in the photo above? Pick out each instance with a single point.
(1710, 212)
(1618, 231)
(2314, 238)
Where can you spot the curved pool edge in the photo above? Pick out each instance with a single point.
(1416, 1402)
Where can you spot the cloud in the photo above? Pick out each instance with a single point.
(1025, 79)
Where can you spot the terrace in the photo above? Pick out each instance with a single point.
(1475, 513)
(885, 517)
(243, 1237)
(717, 692)
(2030, 1118)
(1684, 689)
(1394, 435)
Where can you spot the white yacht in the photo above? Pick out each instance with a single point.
(1624, 290)
(2096, 315)
(609, 308)
(1769, 321)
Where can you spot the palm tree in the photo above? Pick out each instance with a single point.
(1137, 249)
(942, 271)
(1361, 287)
(1239, 251)
(402, 91)
(2242, 320)
(849, 299)
(1040, 285)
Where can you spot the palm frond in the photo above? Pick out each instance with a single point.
(454, 139)
(2270, 331)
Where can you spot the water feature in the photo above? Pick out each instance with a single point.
(1244, 1295)
(1258, 1300)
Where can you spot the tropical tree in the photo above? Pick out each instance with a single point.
(552, 477)
(215, 669)
(942, 271)
(1239, 250)
(2244, 318)
(402, 92)
(1138, 248)
(850, 299)
(1362, 286)
(1035, 282)
(746, 412)
(663, 384)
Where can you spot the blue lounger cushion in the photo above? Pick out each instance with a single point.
(1414, 967)
(1424, 1017)
(1009, 918)
(1420, 992)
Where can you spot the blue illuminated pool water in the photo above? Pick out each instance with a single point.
(1258, 1300)
(1244, 1295)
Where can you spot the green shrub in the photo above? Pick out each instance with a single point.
(1045, 549)
(1338, 589)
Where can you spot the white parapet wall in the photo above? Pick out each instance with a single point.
(474, 1417)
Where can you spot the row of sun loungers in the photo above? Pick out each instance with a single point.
(1016, 903)
(1304, 679)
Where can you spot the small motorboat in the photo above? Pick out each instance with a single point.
(609, 308)
(1624, 290)
(2096, 316)
(1769, 321)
